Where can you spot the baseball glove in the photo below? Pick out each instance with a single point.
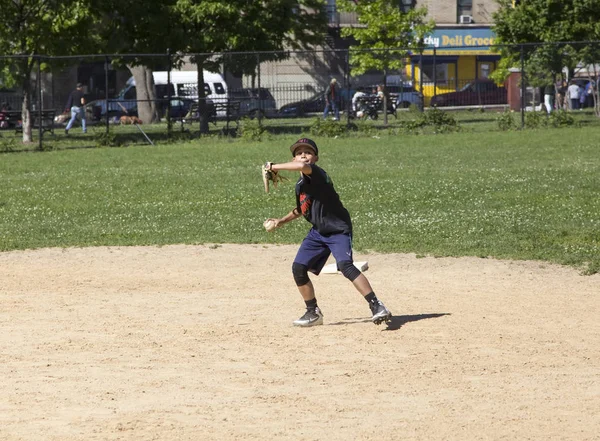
(270, 175)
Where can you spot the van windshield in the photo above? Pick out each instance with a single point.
(130, 93)
(126, 92)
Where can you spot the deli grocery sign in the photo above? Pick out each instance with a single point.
(460, 41)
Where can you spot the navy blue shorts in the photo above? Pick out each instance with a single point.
(315, 250)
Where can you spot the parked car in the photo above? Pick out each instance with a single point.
(314, 104)
(254, 101)
(404, 95)
(475, 93)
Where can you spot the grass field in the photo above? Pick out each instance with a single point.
(469, 121)
(511, 195)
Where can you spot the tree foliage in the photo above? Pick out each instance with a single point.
(558, 25)
(270, 26)
(204, 29)
(212, 28)
(392, 34)
(148, 28)
(385, 37)
(38, 27)
(550, 22)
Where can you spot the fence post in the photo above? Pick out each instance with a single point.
(260, 107)
(421, 78)
(39, 87)
(522, 86)
(434, 72)
(106, 62)
(169, 93)
(347, 81)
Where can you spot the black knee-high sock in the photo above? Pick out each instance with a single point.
(371, 297)
(311, 304)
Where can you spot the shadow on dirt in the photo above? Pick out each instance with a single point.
(395, 323)
(398, 321)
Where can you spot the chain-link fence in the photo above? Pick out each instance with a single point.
(156, 96)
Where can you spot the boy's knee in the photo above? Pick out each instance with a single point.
(300, 273)
(348, 269)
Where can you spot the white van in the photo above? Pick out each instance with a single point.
(184, 84)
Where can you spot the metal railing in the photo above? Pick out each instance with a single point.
(290, 88)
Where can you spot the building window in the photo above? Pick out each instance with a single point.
(465, 7)
(484, 70)
(407, 5)
(441, 73)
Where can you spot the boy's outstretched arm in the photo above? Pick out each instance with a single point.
(294, 214)
(293, 166)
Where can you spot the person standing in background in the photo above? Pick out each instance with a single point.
(573, 92)
(561, 94)
(549, 92)
(75, 104)
(332, 98)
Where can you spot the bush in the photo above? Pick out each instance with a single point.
(7, 145)
(441, 121)
(251, 129)
(561, 118)
(506, 121)
(107, 140)
(535, 120)
(327, 128)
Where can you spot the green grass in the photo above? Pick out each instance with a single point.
(513, 195)
(471, 120)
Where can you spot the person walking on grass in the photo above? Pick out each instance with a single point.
(331, 233)
(75, 104)
(332, 100)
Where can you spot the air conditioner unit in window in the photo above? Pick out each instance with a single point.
(466, 19)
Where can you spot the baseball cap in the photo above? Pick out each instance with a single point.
(306, 142)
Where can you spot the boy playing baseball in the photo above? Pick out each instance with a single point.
(331, 233)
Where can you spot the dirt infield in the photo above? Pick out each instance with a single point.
(196, 343)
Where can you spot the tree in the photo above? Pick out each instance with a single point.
(549, 22)
(211, 28)
(147, 28)
(386, 36)
(38, 27)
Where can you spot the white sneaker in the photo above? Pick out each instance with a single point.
(380, 313)
(312, 317)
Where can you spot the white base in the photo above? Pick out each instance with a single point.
(332, 267)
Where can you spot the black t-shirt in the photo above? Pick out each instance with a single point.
(75, 99)
(320, 204)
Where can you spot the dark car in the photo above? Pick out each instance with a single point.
(313, 104)
(254, 101)
(474, 93)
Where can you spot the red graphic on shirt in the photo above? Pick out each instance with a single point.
(304, 203)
